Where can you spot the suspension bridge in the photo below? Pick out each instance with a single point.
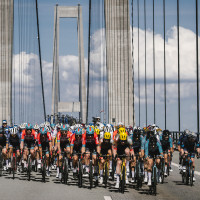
(141, 66)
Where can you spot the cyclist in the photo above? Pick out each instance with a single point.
(4, 145)
(167, 146)
(28, 140)
(137, 147)
(5, 126)
(180, 149)
(123, 148)
(14, 142)
(153, 149)
(45, 144)
(191, 146)
(63, 145)
(90, 144)
(106, 149)
(76, 148)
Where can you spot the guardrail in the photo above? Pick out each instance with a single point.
(176, 135)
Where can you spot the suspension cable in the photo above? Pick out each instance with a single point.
(179, 116)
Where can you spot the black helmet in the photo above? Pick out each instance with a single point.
(150, 133)
(166, 133)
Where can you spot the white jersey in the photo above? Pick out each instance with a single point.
(54, 133)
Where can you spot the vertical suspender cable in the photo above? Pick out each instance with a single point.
(197, 60)
(138, 7)
(165, 91)
(133, 67)
(145, 59)
(154, 70)
(38, 32)
(179, 116)
(88, 81)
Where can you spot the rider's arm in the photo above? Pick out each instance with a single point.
(58, 141)
(160, 148)
(22, 140)
(171, 144)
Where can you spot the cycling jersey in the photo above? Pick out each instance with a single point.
(43, 139)
(14, 140)
(137, 143)
(121, 146)
(90, 143)
(152, 150)
(3, 140)
(166, 144)
(190, 146)
(29, 139)
(76, 143)
(181, 138)
(64, 139)
(105, 146)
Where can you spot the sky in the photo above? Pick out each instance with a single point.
(69, 57)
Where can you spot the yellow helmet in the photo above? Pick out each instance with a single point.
(122, 130)
(123, 136)
(92, 126)
(107, 136)
(97, 131)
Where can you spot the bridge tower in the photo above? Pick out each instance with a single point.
(57, 107)
(119, 61)
(6, 48)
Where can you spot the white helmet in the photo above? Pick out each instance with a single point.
(36, 127)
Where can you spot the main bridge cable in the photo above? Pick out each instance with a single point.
(88, 81)
(41, 74)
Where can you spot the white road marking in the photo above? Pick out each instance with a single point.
(107, 198)
(176, 165)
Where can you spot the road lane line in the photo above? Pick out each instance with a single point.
(176, 165)
(107, 198)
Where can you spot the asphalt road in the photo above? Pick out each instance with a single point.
(22, 189)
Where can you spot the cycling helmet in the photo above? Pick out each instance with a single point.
(107, 136)
(122, 130)
(186, 132)
(43, 131)
(29, 126)
(64, 127)
(150, 133)
(78, 131)
(89, 131)
(36, 127)
(192, 136)
(97, 131)
(166, 133)
(4, 121)
(13, 130)
(53, 125)
(123, 136)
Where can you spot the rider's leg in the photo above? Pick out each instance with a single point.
(149, 169)
(118, 171)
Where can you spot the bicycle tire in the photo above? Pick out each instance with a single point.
(191, 175)
(168, 169)
(44, 169)
(65, 171)
(187, 176)
(137, 175)
(123, 180)
(90, 175)
(13, 166)
(113, 169)
(1, 163)
(154, 181)
(163, 171)
(80, 174)
(106, 174)
(29, 169)
(183, 177)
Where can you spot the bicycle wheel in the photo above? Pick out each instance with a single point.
(187, 176)
(123, 180)
(80, 174)
(106, 174)
(183, 177)
(29, 169)
(65, 171)
(43, 169)
(13, 166)
(113, 169)
(154, 181)
(91, 174)
(168, 169)
(1, 163)
(191, 175)
(137, 175)
(162, 171)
